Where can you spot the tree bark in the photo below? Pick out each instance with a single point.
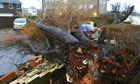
(62, 36)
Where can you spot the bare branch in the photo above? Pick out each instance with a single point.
(121, 14)
(54, 21)
(44, 16)
(48, 44)
(128, 12)
(38, 17)
(69, 23)
(32, 48)
(53, 53)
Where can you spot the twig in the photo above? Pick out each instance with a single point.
(69, 25)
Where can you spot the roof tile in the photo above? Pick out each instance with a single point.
(11, 1)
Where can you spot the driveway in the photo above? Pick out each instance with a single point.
(12, 55)
(5, 32)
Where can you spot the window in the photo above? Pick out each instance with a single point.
(45, 8)
(18, 6)
(20, 21)
(34, 11)
(74, 6)
(46, 0)
(90, 6)
(85, 6)
(1, 5)
(80, 7)
(65, 1)
(10, 6)
(56, 7)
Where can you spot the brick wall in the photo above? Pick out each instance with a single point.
(7, 10)
(6, 22)
(74, 3)
(102, 6)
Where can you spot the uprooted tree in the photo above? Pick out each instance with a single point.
(122, 13)
(106, 61)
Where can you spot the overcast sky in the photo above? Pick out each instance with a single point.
(28, 3)
(37, 3)
(136, 3)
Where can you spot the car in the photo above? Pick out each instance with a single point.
(87, 26)
(86, 30)
(91, 23)
(19, 23)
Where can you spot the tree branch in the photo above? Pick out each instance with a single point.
(55, 22)
(31, 47)
(69, 23)
(51, 54)
(48, 44)
(80, 35)
(62, 36)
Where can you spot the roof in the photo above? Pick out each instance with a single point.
(11, 1)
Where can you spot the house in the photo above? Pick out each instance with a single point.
(8, 10)
(24, 11)
(97, 6)
(32, 11)
(10, 7)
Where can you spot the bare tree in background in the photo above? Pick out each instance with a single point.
(122, 13)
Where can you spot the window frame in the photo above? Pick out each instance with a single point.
(10, 5)
(17, 6)
(91, 6)
(2, 5)
(80, 7)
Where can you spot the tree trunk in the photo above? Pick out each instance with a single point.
(62, 36)
(80, 35)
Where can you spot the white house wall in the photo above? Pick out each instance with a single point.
(6, 15)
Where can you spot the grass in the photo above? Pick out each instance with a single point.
(30, 32)
(131, 20)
